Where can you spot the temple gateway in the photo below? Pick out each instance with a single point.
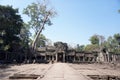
(61, 56)
(61, 53)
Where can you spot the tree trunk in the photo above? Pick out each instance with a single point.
(36, 37)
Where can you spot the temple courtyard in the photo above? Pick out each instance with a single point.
(60, 71)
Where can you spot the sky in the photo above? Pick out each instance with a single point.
(77, 20)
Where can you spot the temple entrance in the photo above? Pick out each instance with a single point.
(60, 57)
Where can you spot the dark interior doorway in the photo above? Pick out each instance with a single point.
(60, 57)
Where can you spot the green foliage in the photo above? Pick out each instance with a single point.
(117, 37)
(41, 42)
(92, 47)
(10, 27)
(112, 44)
(24, 35)
(37, 12)
(40, 14)
(80, 47)
(98, 43)
(94, 39)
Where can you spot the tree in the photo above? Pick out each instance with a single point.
(92, 47)
(24, 35)
(97, 43)
(41, 42)
(117, 37)
(80, 47)
(109, 43)
(112, 44)
(10, 27)
(117, 40)
(94, 39)
(40, 15)
(97, 39)
(60, 46)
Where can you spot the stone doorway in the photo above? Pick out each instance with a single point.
(60, 57)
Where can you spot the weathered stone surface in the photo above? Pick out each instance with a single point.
(27, 69)
(61, 71)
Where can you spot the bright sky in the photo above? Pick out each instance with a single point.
(78, 20)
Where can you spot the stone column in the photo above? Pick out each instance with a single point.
(108, 56)
(93, 59)
(45, 57)
(52, 57)
(56, 57)
(90, 59)
(74, 58)
(79, 59)
(83, 58)
(49, 58)
(63, 57)
(66, 58)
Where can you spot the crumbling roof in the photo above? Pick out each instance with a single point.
(61, 46)
(41, 49)
(71, 53)
(41, 54)
(80, 54)
(50, 53)
(50, 48)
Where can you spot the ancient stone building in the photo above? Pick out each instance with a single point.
(60, 53)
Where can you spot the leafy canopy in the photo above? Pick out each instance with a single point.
(10, 27)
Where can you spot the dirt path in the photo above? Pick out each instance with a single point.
(36, 69)
(95, 69)
(61, 71)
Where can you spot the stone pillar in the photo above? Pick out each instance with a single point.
(88, 59)
(93, 59)
(66, 58)
(56, 57)
(79, 59)
(74, 59)
(108, 56)
(63, 57)
(45, 57)
(114, 58)
(83, 58)
(49, 58)
(52, 57)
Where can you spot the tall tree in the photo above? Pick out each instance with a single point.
(97, 43)
(112, 44)
(80, 47)
(97, 39)
(92, 47)
(10, 27)
(40, 15)
(94, 39)
(117, 37)
(25, 36)
(41, 42)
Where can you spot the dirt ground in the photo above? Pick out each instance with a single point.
(97, 69)
(42, 69)
(23, 69)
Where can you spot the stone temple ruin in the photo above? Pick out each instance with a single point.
(61, 53)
